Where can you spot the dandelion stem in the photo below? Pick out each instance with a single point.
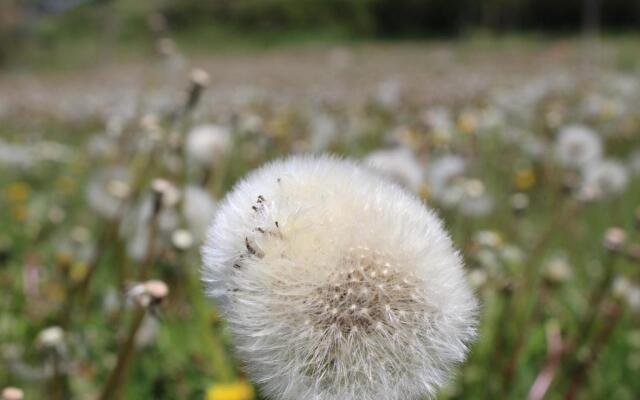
(117, 377)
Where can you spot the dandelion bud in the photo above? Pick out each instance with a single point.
(182, 239)
(338, 285)
(52, 338)
(164, 194)
(199, 80)
(614, 238)
(148, 293)
(519, 202)
(12, 393)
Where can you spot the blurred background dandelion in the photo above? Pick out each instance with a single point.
(124, 122)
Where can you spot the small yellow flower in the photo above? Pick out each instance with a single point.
(525, 179)
(241, 390)
(279, 126)
(467, 122)
(78, 271)
(17, 192)
(19, 212)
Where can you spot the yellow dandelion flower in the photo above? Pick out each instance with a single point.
(19, 212)
(17, 192)
(78, 271)
(241, 390)
(278, 127)
(525, 179)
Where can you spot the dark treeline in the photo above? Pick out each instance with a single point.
(359, 18)
(385, 18)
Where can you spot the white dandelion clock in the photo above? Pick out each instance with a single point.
(606, 178)
(337, 284)
(444, 176)
(198, 208)
(107, 190)
(207, 144)
(399, 165)
(577, 146)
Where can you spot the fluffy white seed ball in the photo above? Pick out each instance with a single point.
(337, 284)
(207, 144)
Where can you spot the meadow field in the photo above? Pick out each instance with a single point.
(110, 173)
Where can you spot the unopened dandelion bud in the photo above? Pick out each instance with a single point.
(337, 284)
(158, 290)
(164, 195)
(148, 293)
(182, 239)
(614, 239)
(199, 80)
(52, 338)
(519, 202)
(12, 393)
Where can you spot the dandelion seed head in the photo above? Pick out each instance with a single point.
(207, 144)
(577, 146)
(398, 164)
(604, 178)
(337, 284)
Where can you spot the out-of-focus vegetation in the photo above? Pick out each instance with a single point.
(529, 149)
(33, 30)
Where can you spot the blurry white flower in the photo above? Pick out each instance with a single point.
(103, 146)
(207, 144)
(323, 130)
(198, 207)
(597, 105)
(557, 269)
(603, 179)
(475, 201)
(388, 93)
(512, 254)
(442, 175)
(626, 290)
(107, 189)
(577, 146)
(148, 331)
(11, 393)
(488, 238)
(182, 239)
(398, 164)
(337, 285)
(28, 155)
(135, 227)
(440, 123)
(52, 338)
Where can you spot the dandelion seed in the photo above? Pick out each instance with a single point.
(329, 309)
